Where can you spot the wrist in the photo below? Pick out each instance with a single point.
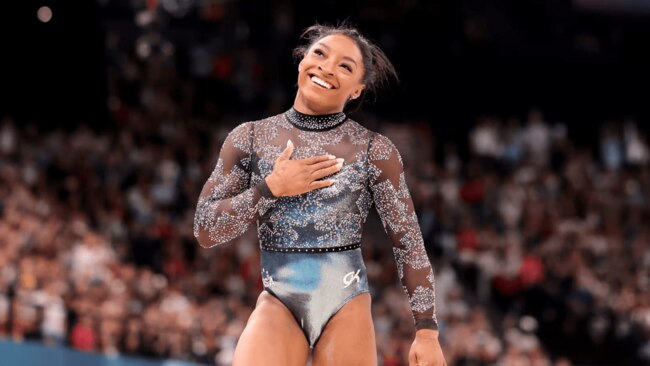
(426, 333)
(273, 185)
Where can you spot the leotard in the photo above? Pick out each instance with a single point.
(310, 255)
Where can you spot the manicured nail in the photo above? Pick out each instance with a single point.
(340, 160)
(289, 142)
(331, 157)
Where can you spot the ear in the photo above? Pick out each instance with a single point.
(357, 92)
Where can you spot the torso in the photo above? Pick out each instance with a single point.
(326, 217)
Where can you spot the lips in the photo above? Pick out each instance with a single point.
(320, 82)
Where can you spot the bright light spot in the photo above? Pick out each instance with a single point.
(143, 48)
(528, 323)
(145, 17)
(177, 8)
(44, 14)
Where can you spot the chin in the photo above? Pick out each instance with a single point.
(319, 102)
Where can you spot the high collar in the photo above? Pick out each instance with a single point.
(310, 122)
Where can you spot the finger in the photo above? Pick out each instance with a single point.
(286, 154)
(412, 360)
(324, 164)
(318, 159)
(321, 173)
(321, 183)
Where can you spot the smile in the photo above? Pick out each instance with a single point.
(320, 82)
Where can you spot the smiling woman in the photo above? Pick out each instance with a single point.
(341, 54)
(329, 75)
(309, 177)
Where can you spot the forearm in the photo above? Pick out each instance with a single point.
(220, 220)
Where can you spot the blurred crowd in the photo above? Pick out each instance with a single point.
(540, 249)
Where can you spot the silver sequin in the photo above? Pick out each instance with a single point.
(232, 199)
(314, 123)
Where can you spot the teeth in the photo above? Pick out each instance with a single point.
(321, 82)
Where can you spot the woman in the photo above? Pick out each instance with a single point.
(309, 177)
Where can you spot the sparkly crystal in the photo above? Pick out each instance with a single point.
(314, 123)
(323, 220)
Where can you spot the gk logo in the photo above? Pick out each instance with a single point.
(350, 277)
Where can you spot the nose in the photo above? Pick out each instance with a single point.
(326, 68)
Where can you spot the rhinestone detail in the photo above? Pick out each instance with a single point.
(309, 122)
(311, 250)
(325, 219)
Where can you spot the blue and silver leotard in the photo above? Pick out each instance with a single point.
(310, 255)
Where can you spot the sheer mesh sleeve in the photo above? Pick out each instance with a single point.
(227, 205)
(395, 208)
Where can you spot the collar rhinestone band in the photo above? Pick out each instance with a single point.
(314, 122)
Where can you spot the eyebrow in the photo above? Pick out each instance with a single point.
(345, 57)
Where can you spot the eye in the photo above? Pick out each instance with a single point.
(319, 52)
(347, 67)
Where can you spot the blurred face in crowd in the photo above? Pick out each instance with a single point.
(330, 73)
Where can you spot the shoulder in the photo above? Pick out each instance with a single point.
(381, 147)
(360, 133)
(248, 128)
(243, 135)
(354, 125)
(378, 139)
(240, 135)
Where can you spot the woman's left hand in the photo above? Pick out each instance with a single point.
(425, 350)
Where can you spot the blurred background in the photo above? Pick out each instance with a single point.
(522, 124)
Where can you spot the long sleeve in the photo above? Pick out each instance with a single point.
(227, 205)
(395, 207)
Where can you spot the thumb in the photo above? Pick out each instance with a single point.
(286, 154)
(413, 361)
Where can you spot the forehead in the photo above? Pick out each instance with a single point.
(342, 44)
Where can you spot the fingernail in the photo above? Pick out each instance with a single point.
(339, 165)
(289, 142)
(331, 157)
(340, 160)
(333, 181)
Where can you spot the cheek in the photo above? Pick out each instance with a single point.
(307, 62)
(351, 86)
(302, 65)
(303, 78)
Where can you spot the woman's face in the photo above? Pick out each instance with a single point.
(329, 74)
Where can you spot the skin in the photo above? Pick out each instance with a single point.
(271, 337)
(337, 60)
(349, 337)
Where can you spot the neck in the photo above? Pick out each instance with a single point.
(303, 106)
(314, 122)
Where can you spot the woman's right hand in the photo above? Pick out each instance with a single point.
(293, 177)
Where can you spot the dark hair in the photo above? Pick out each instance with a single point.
(378, 70)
